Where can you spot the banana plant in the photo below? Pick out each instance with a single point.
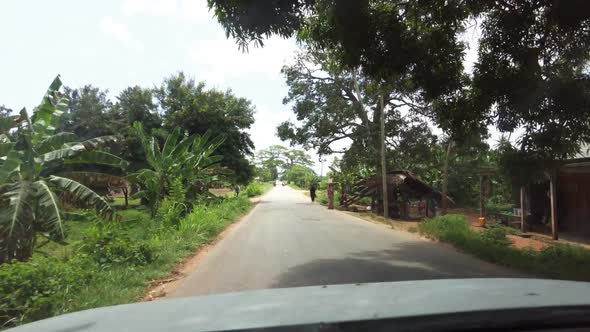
(30, 180)
(189, 158)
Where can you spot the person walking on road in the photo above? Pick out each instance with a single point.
(312, 190)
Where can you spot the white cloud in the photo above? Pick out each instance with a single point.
(187, 10)
(116, 29)
(120, 32)
(263, 131)
(133, 7)
(223, 57)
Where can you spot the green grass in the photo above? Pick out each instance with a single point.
(113, 283)
(120, 201)
(125, 284)
(77, 223)
(559, 261)
(255, 189)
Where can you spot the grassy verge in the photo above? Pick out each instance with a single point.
(561, 261)
(107, 264)
(120, 201)
(257, 189)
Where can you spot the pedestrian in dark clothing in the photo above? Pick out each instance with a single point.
(312, 190)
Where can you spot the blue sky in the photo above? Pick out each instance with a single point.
(114, 44)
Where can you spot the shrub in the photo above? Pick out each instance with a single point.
(364, 201)
(557, 261)
(110, 244)
(495, 208)
(254, 189)
(322, 197)
(38, 288)
(170, 212)
(450, 228)
(496, 235)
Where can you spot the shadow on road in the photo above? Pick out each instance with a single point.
(407, 261)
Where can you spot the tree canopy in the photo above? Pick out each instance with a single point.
(189, 105)
(277, 158)
(531, 73)
(333, 103)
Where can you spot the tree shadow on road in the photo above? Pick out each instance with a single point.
(406, 261)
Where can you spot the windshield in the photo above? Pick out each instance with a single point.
(154, 149)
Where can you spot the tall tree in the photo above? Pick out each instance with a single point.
(333, 103)
(195, 109)
(89, 113)
(278, 157)
(532, 73)
(386, 38)
(135, 104)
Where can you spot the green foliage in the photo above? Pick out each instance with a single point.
(196, 110)
(495, 208)
(170, 212)
(301, 176)
(189, 160)
(109, 245)
(270, 161)
(496, 235)
(210, 220)
(557, 261)
(254, 189)
(388, 39)
(322, 198)
(29, 187)
(448, 228)
(111, 263)
(37, 289)
(532, 73)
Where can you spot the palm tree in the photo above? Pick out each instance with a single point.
(30, 180)
(190, 159)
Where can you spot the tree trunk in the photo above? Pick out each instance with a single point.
(445, 184)
(126, 194)
(383, 161)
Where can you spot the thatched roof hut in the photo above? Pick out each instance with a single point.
(398, 182)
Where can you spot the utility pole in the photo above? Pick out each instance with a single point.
(321, 167)
(383, 163)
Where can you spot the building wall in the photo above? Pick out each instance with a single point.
(573, 202)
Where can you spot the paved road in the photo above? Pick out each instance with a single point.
(287, 241)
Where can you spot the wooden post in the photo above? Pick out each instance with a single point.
(383, 163)
(553, 197)
(522, 210)
(481, 196)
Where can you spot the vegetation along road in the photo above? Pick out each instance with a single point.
(287, 241)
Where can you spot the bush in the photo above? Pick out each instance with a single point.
(450, 228)
(170, 212)
(111, 244)
(557, 261)
(254, 189)
(364, 201)
(496, 235)
(495, 208)
(39, 288)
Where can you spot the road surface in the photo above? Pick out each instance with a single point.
(287, 241)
